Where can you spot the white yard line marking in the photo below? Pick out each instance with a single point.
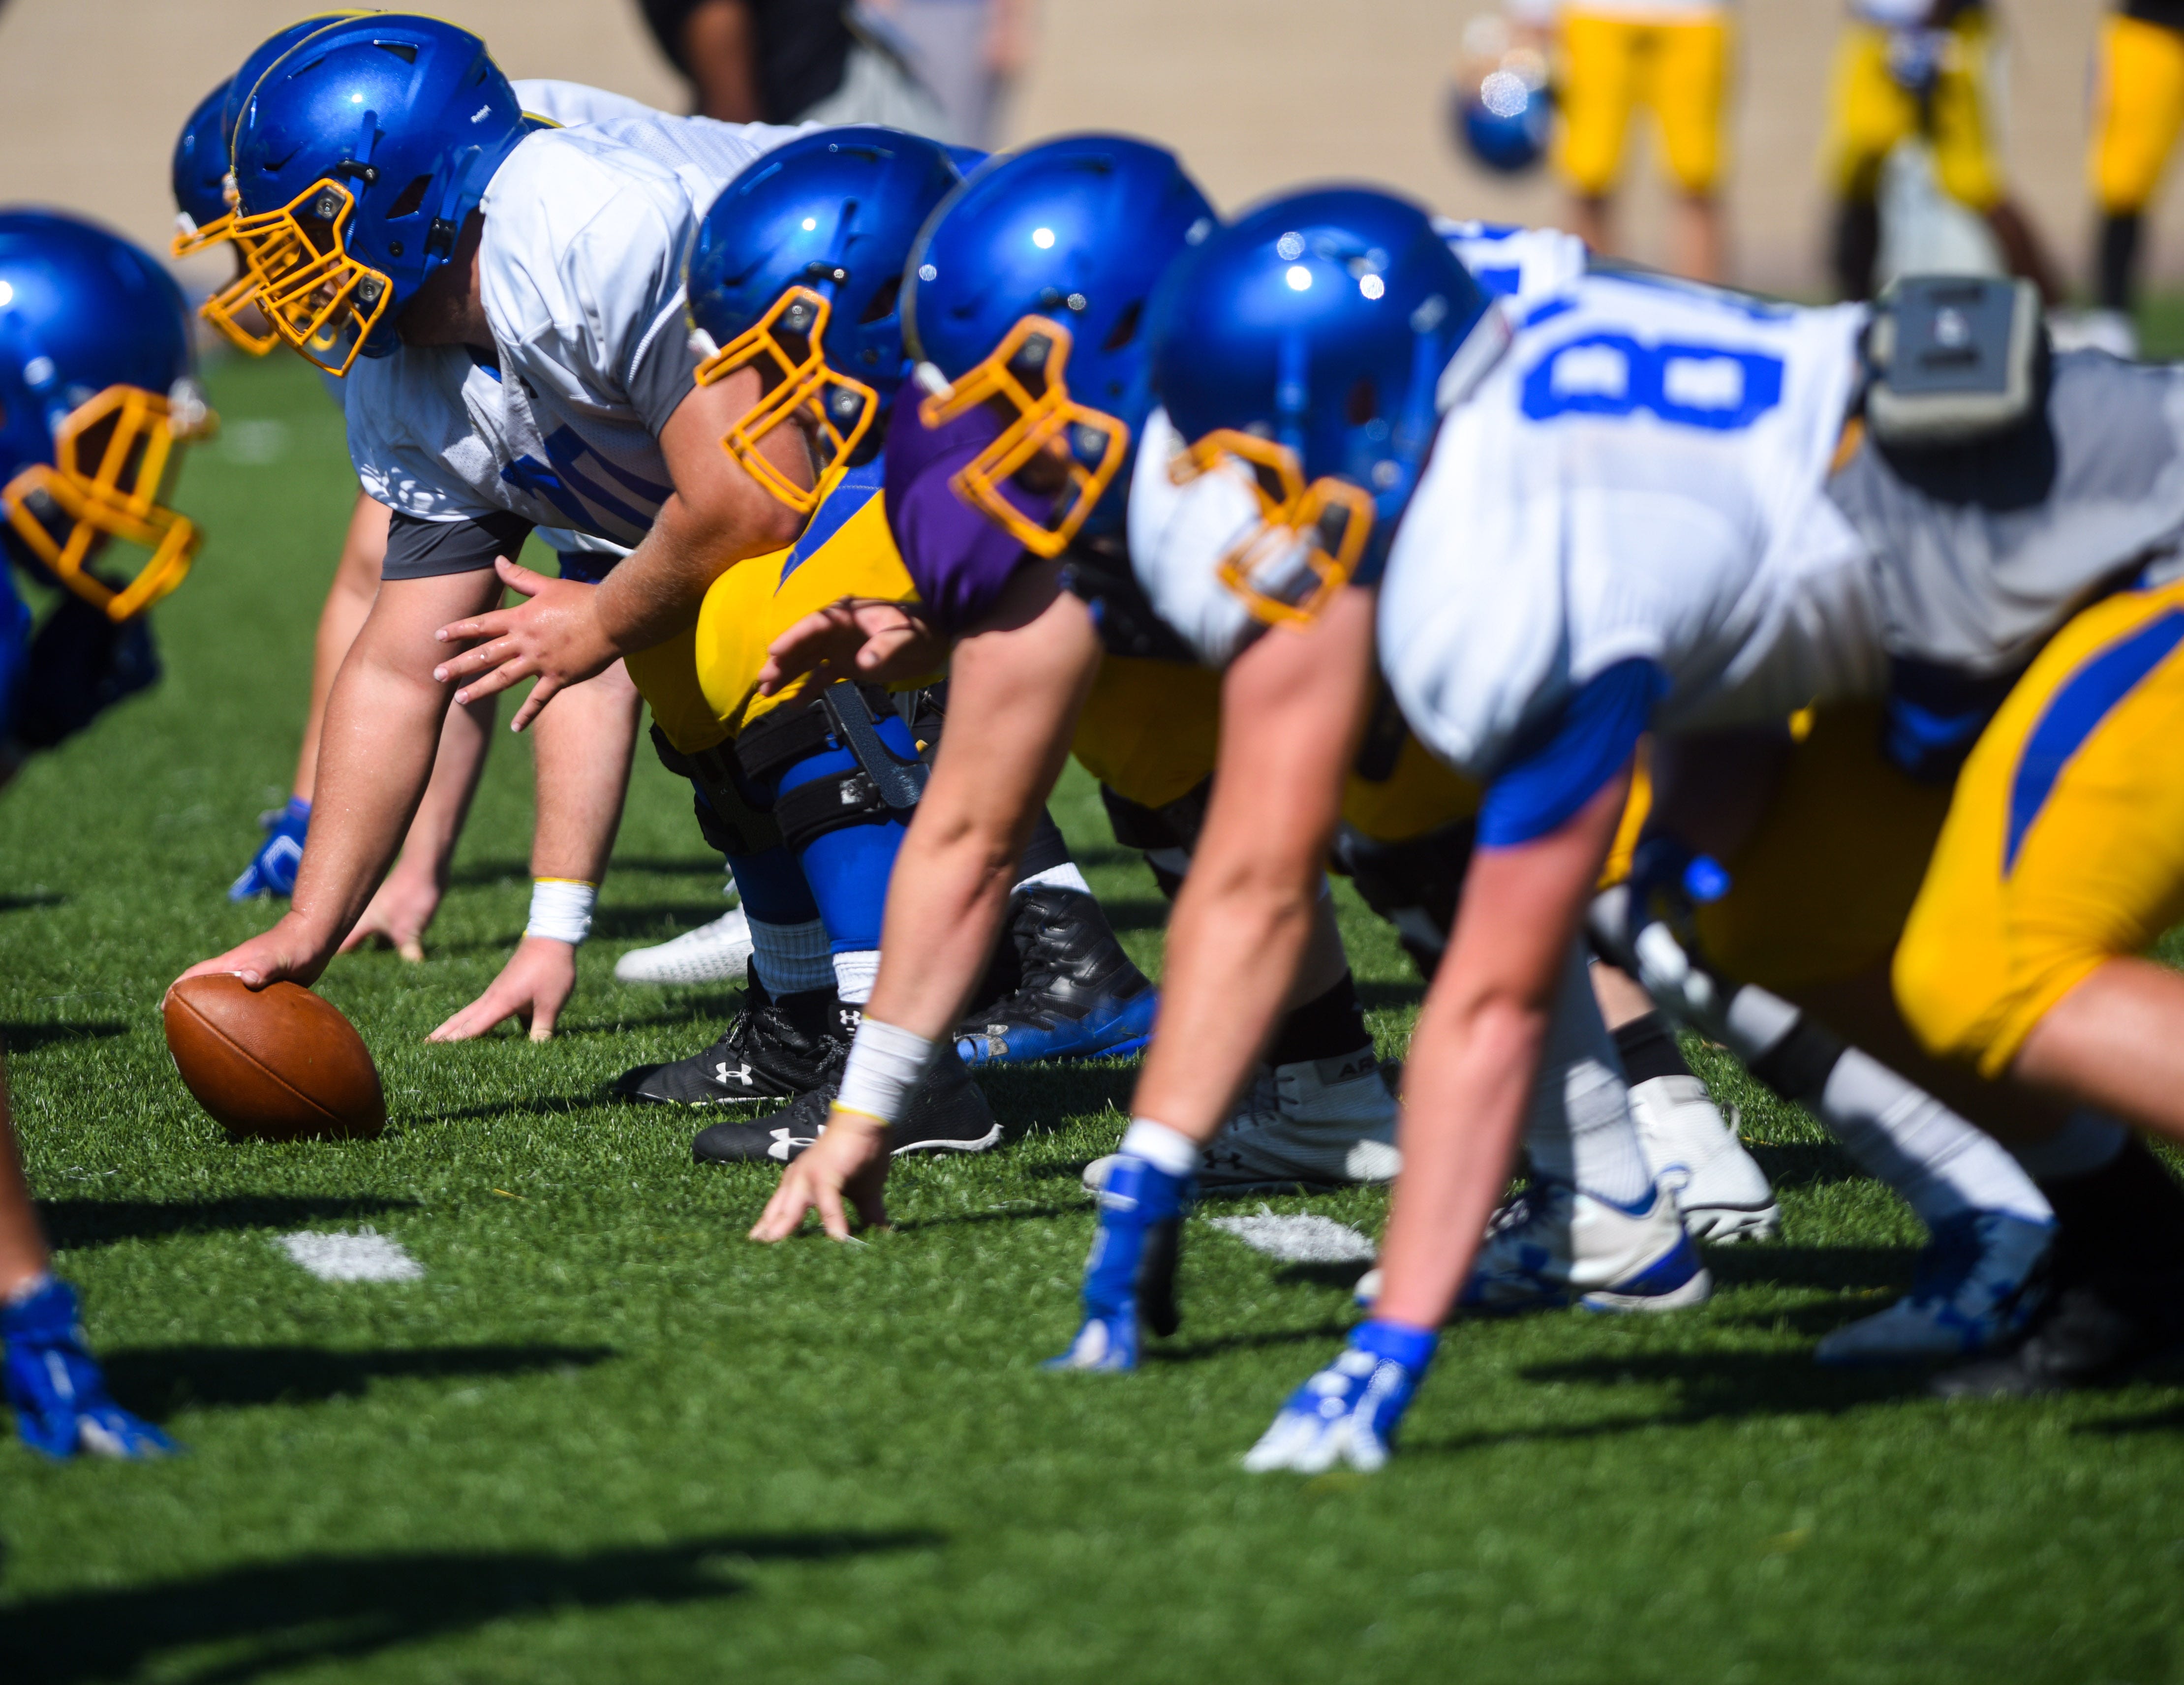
(366, 1255)
(1303, 1239)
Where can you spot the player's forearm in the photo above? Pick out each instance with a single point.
(348, 604)
(946, 901)
(23, 1256)
(1471, 1069)
(582, 747)
(428, 847)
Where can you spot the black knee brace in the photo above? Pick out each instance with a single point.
(1413, 885)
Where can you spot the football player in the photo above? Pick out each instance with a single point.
(1664, 525)
(795, 275)
(504, 305)
(1908, 68)
(2138, 107)
(97, 399)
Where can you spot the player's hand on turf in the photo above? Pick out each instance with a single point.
(531, 988)
(281, 954)
(866, 638)
(555, 637)
(398, 915)
(57, 1389)
(849, 1157)
(1348, 1413)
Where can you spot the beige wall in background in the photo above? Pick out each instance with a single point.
(1254, 94)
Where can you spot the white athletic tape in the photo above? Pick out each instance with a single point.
(1303, 1239)
(561, 909)
(367, 1255)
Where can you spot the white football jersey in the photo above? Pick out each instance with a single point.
(571, 104)
(1640, 476)
(581, 274)
(1179, 535)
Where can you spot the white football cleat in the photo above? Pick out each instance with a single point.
(1722, 1192)
(1318, 1123)
(711, 953)
(1554, 1245)
(2109, 330)
(1978, 1282)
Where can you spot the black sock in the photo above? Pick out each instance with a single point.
(1326, 1027)
(2119, 259)
(1045, 851)
(2120, 1222)
(1649, 1049)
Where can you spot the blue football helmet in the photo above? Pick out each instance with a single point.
(358, 156)
(204, 185)
(96, 397)
(1306, 341)
(798, 269)
(1501, 108)
(1030, 285)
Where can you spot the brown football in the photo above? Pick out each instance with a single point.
(279, 1064)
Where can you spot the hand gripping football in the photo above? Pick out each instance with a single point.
(279, 1064)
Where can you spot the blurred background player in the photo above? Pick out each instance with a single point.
(1613, 58)
(968, 52)
(96, 397)
(2138, 105)
(1916, 72)
(793, 61)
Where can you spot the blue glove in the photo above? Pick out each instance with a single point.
(59, 1396)
(1130, 1277)
(1348, 1412)
(272, 869)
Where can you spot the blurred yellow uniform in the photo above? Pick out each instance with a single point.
(1670, 56)
(2138, 104)
(1890, 85)
(2065, 843)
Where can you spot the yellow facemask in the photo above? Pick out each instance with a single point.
(1026, 372)
(1309, 538)
(323, 302)
(788, 346)
(224, 308)
(115, 461)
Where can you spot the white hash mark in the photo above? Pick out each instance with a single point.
(367, 1255)
(1303, 1239)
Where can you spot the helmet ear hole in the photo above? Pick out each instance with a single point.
(412, 198)
(1126, 326)
(1364, 402)
(882, 304)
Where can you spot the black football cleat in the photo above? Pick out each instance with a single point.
(1077, 994)
(947, 1114)
(2087, 1334)
(775, 1050)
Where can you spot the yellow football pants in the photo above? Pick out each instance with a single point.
(2138, 107)
(1610, 66)
(2065, 843)
(1870, 113)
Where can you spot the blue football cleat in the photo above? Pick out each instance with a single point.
(1978, 1283)
(1348, 1413)
(1129, 1278)
(58, 1394)
(272, 869)
(1078, 996)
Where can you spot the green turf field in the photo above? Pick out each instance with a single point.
(604, 1439)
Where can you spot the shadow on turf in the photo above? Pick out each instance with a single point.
(24, 1037)
(24, 904)
(159, 1380)
(74, 1223)
(277, 1616)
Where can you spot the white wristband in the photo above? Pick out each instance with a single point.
(561, 909)
(885, 1065)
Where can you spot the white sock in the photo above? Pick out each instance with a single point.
(854, 974)
(1063, 876)
(1168, 1150)
(2085, 1141)
(1941, 1165)
(1579, 1127)
(791, 958)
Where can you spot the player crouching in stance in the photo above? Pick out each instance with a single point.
(1643, 511)
(794, 277)
(1004, 490)
(96, 397)
(504, 303)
